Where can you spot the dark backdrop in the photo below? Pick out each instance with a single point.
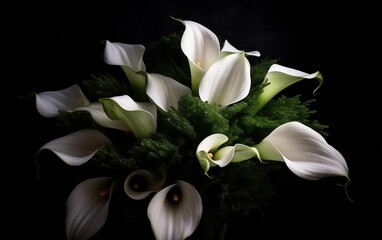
(49, 46)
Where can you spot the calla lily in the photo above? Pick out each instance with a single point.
(305, 152)
(227, 81)
(78, 147)
(175, 211)
(279, 78)
(201, 46)
(98, 114)
(210, 155)
(140, 184)
(165, 91)
(140, 117)
(130, 58)
(87, 208)
(50, 102)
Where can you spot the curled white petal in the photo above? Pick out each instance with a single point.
(165, 91)
(175, 211)
(305, 152)
(98, 114)
(279, 78)
(78, 147)
(140, 184)
(122, 54)
(87, 208)
(50, 102)
(227, 81)
(140, 117)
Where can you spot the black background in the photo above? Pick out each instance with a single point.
(49, 46)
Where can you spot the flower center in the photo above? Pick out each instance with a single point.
(139, 183)
(174, 196)
(210, 155)
(104, 193)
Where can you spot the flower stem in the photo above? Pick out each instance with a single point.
(224, 230)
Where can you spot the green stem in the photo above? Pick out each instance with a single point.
(224, 230)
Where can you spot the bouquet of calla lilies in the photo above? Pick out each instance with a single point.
(196, 132)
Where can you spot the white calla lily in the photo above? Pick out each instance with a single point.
(98, 114)
(50, 102)
(227, 81)
(130, 58)
(210, 155)
(175, 211)
(141, 183)
(279, 78)
(305, 152)
(202, 47)
(87, 208)
(140, 117)
(78, 147)
(165, 91)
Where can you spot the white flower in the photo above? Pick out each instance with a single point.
(140, 184)
(87, 208)
(210, 155)
(175, 211)
(202, 48)
(305, 152)
(279, 78)
(50, 102)
(78, 147)
(220, 77)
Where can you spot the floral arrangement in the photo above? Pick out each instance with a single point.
(192, 127)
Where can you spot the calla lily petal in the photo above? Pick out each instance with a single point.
(305, 152)
(50, 102)
(279, 78)
(227, 81)
(201, 46)
(87, 208)
(98, 114)
(122, 54)
(140, 184)
(165, 91)
(175, 211)
(78, 147)
(130, 58)
(206, 149)
(140, 117)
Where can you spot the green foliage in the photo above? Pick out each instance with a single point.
(166, 57)
(105, 85)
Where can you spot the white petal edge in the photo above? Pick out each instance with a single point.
(78, 147)
(87, 208)
(48, 103)
(175, 222)
(165, 91)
